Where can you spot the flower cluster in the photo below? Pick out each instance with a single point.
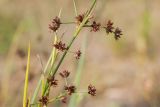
(70, 89)
(64, 74)
(54, 26)
(52, 81)
(117, 33)
(95, 26)
(91, 90)
(110, 29)
(63, 99)
(78, 54)
(44, 100)
(79, 19)
(60, 46)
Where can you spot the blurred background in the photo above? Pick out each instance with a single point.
(126, 72)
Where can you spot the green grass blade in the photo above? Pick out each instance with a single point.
(43, 83)
(54, 51)
(40, 81)
(91, 8)
(26, 79)
(36, 91)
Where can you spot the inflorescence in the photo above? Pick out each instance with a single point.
(95, 26)
(68, 89)
(61, 47)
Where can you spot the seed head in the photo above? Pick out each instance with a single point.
(79, 19)
(44, 100)
(92, 90)
(78, 54)
(52, 81)
(109, 27)
(117, 33)
(60, 46)
(64, 74)
(64, 99)
(95, 26)
(70, 89)
(55, 24)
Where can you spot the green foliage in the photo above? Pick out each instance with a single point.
(7, 29)
(26, 79)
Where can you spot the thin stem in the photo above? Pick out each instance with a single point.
(75, 7)
(81, 92)
(65, 79)
(87, 26)
(42, 67)
(68, 23)
(83, 25)
(34, 104)
(57, 98)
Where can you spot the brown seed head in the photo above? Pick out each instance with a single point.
(117, 33)
(70, 89)
(64, 74)
(78, 54)
(91, 90)
(44, 100)
(55, 24)
(95, 26)
(64, 99)
(79, 19)
(109, 27)
(52, 81)
(60, 46)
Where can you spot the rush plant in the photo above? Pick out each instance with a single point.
(48, 78)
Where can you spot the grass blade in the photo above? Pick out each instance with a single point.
(54, 51)
(41, 79)
(36, 91)
(26, 79)
(50, 60)
(75, 8)
(60, 12)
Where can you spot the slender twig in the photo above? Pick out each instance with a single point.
(75, 7)
(68, 22)
(65, 79)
